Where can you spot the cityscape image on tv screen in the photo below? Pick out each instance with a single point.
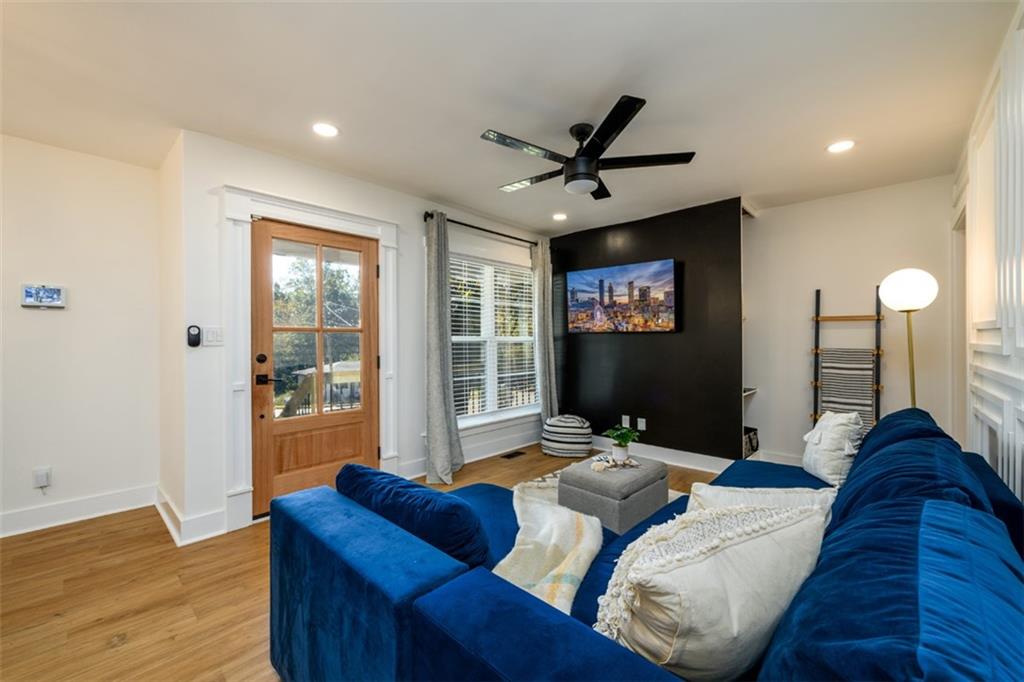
(639, 297)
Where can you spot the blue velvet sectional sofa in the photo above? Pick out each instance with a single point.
(920, 577)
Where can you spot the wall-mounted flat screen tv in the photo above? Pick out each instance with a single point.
(639, 297)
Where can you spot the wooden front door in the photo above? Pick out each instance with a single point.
(314, 357)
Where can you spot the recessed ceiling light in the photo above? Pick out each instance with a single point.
(559, 217)
(840, 146)
(325, 129)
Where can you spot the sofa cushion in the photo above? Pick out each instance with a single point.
(493, 504)
(1006, 506)
(595, 582)
(479, 627)
(929, 468)
(897, 427)
(907, 589)
(445, 521)
(747, 473)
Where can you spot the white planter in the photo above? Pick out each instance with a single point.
(620, 453)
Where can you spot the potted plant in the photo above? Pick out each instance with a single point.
(623, 436)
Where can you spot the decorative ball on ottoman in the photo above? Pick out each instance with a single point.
(567, 436)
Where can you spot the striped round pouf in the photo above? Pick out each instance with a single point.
(566, 436)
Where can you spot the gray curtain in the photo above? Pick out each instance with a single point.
(444, 450)
(541, 256)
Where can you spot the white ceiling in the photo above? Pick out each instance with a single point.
(757, 90)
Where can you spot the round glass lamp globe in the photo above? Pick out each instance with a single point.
(908, 289)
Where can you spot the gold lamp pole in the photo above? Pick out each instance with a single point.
(908, 291)
(910, 354)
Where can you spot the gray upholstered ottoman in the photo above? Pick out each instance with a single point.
(621, 498)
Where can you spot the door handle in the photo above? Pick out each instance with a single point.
(263, 380)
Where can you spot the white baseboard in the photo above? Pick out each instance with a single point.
(28, 519)
(185, 530)
(238, 512)
(679, 458)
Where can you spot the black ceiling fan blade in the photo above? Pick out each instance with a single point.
(526, 182)
(601, 192)
(645, 160)
(617, 119)
(531, 149)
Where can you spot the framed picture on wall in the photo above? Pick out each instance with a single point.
(637, 297)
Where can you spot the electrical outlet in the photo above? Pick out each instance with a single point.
(625, 420)
(641, 424)
(41, 477)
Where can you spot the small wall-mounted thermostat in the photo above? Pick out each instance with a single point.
(42, 296)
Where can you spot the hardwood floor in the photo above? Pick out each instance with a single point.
(534, 464)
(114, 598)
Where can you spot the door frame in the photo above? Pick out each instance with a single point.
(239, 207)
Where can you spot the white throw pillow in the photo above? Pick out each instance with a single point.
(704, 496)
(832, 445)
(701, 594)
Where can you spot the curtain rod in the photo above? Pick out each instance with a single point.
(428, 214)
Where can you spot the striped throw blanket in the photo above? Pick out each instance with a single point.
(554, 547)
(847, 382)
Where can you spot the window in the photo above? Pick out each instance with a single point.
(493, 362)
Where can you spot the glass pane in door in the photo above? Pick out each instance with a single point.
(342, 371)
(294, 273)
(341, 288)
(294, 374)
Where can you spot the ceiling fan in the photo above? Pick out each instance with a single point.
(582, 170)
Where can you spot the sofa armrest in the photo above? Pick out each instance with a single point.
(342, 583)
(481, 627)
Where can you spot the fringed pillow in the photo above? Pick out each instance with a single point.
(701, 595)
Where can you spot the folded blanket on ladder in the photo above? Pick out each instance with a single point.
(554, 547)
(848, 382)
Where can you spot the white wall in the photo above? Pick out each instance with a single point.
(80, 385)
(210, 163)
(844, 245)
(172, 326)
(992, 205)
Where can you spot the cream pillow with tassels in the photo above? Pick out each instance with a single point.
(705, 496)
(701, 594)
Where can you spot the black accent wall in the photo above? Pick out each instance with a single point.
(687, 383)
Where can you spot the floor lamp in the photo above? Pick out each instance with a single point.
(907, 291)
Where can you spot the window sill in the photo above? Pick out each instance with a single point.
(480, 423)
(525, 413)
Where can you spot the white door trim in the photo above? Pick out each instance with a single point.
(238, 207)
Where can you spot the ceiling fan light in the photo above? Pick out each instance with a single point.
(581, 186)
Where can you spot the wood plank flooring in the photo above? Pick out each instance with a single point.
(533, 464)
(114, 598)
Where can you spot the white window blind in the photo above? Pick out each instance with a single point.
(493, 361)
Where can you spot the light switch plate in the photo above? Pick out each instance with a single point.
(625, 420)
(213, 336)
